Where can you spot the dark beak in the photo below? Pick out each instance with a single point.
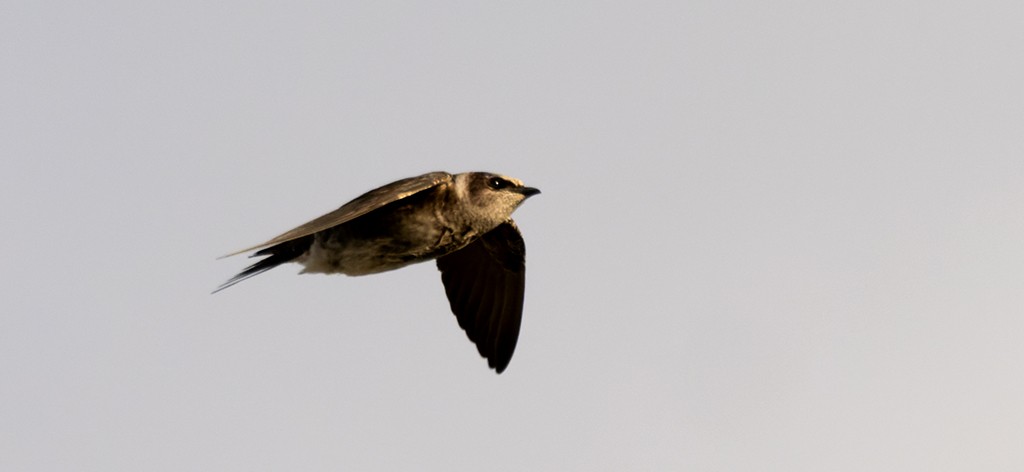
(528, 191)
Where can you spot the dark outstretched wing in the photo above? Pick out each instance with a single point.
(484, 282)
(360, 206)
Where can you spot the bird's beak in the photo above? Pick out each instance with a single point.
(528, 191)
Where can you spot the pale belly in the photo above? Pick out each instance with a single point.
(363, 257)
(354, 261)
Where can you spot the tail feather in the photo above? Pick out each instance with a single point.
(277, 255)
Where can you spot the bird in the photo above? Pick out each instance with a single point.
(463, 221)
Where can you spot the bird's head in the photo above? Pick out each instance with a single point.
(490, 199)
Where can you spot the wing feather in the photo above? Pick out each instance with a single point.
(359, 206)
(485, 282)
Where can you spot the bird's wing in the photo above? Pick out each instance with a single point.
(484, 282)
(360, 206)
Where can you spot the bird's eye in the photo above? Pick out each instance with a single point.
(498, 183)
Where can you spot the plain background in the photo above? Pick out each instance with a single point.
(773, 235)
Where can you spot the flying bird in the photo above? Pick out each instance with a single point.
(463, 221)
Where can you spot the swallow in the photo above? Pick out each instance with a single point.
(463, 221)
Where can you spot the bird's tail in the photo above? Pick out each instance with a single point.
(277, 255)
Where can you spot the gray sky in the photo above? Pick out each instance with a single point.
(773, 235)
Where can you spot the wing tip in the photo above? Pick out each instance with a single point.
(498, 366)
(241, 251)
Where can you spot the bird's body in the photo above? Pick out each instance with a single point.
(463, 221)
(414, 229)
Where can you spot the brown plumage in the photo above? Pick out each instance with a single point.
(463, 221)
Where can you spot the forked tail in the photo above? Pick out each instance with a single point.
(277, 255)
